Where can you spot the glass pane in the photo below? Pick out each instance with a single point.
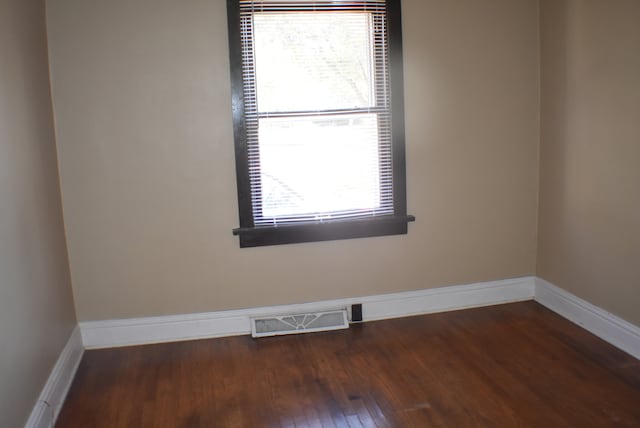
(319, 165)
(313, 61)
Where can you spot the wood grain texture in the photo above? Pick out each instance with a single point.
(515, 365)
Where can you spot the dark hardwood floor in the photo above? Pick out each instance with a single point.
(515, 365)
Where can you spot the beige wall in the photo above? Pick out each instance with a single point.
(590, 152)
(36, 305)
(142, 103)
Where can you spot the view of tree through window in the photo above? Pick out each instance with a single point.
(316, 164)
(313, 60)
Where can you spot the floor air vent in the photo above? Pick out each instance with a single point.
(276, 325)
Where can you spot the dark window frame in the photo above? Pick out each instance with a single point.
(396, 224)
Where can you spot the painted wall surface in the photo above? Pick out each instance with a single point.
(36, 304)
(142, 105)
(590, 152)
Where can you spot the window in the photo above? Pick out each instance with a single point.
(318, 119)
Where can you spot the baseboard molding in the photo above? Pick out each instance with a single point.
(138, 331)
(603, 324)
(46, 410)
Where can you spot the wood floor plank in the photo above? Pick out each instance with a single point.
(515, 365)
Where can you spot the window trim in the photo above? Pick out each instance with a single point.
(396, 224)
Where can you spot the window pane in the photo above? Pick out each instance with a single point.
(319, 165)
(313, 61)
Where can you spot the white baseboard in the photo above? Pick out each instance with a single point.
(136, 331)
(46, 410)
(603, 324)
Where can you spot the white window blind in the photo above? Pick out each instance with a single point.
(317, 109)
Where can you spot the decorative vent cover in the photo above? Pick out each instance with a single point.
(276, 325)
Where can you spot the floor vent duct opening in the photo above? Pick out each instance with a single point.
(276, 325)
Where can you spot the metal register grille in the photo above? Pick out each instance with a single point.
(299, 323)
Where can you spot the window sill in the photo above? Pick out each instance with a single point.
(322, 231)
